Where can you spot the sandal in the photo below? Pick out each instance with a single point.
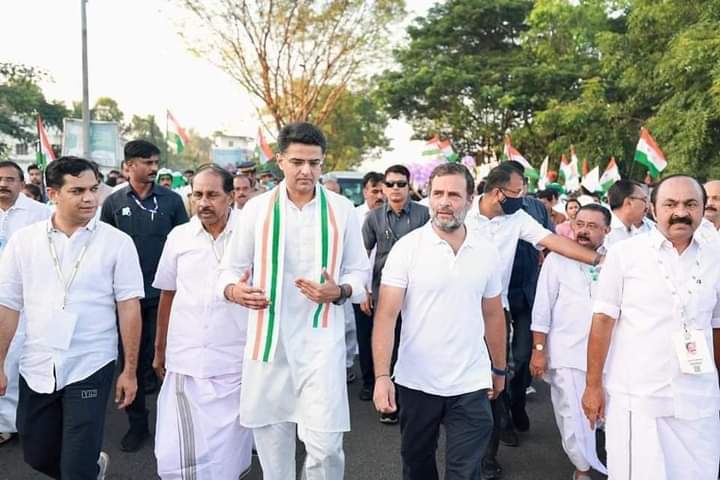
(6, 437)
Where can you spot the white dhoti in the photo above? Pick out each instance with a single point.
(9, 401)
(324, 458)
(660, 448)
(578, 440)
(351, 344)
(198, 434)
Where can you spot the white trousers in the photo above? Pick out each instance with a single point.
(351, 344)
(198, 433)
(275, 446)
(9, 401)
(578, 440)
(664, 448)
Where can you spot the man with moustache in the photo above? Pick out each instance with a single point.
(628, 201)
(16, 212)
(654, 345)
(446, 281)
(199, 344)
(374, 198)
(147, 212)
(710, 224)
(561, 319)
(244, 188)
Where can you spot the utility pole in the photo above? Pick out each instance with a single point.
(85, 94)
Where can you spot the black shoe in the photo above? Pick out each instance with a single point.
(508, 438)
(491, 469)
(350, 375)
(366, 393)
(389, 418)
(520, 419)
(133, 440)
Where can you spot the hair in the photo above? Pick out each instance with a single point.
(500, 176)
(301, 132)
(573, 200)
(480, 187)
(445, 169)
(594, 207)
(372, 178)
(227, 179)
(548, 194)
(654, 193)
(56, 170)
(114, 172)
(11, 164)
(516, 165)
(190, 171)
(250, 179)
(140, 149)
(621, 190)
(34, 190)
(399, 169)
(32, 166)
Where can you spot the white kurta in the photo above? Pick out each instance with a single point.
(305, 382)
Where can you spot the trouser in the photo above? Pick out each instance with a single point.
(137, 412)
(62, 432)
(468, 425)
(500, 406)
(350, 335)
(9, 401)
(275, 446)
(521, 350)
(364, 324)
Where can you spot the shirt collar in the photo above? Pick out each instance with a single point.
(21, 203)
(155, 190)
(615, 222)
(90, 227)
(434, 238)
(198, 229)
(657, 239)
(405, 208)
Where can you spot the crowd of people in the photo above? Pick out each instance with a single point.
(245, 300)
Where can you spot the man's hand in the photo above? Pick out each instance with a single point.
(125, 389)
(384, 395)
(538, 364)
(159, 363)
(593, 403)
(498, 386)
(367, 305)
(320, 293)
(3, 381)
(245, 295)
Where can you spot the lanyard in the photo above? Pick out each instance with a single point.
(594, 275)
(695, 283)
(58, 269)
(142, 207)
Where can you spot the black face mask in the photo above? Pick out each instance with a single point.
(511, 205)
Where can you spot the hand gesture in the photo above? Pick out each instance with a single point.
(159, 364)
(593, 403)
(538, 364)
(247, 296)
(320, 293)
(3, 381)
(125, 389)
(367, 305)
(384, 395)
(498, 386)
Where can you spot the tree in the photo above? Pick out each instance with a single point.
(106, 109)
(296, 56)
(146, 128)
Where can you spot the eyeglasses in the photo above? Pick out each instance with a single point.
(642, 199)
(398, 184)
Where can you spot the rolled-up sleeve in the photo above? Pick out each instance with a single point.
(355, 265)
(127, 276)
(531, 231)
(395, 272)
(368, 231)
(545, 296)
(608, 296)
(11, 285)
(166, 274)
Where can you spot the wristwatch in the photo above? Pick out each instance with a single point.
(539, 347)
(345, 292)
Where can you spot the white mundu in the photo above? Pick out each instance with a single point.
(661, 423)
(294, 367)
(198, 433)
(563, 311)
(25, 211)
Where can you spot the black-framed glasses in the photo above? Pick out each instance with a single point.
(398, 184)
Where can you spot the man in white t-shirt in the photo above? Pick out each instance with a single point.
(445, 280)
(628, 201)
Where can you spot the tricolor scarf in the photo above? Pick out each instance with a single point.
(263, 325)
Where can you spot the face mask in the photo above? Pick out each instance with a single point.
(511, 205)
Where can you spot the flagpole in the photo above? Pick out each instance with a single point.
(165, 143)
(85, 92)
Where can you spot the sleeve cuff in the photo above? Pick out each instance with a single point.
(536, 327)
(606, 309)
(10, 304)
(715, 322)
(129, 296)
(388, 282)
(358, 287)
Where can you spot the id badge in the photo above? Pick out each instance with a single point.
(60, 329)
(693, 353)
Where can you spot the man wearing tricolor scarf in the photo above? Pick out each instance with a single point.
(294, 258)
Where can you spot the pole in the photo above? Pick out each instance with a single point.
(85, 94)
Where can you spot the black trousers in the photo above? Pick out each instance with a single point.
(137, 412)
(364, 324)
(500, 406)
(521, 348)
(468, 425)
(62, 432)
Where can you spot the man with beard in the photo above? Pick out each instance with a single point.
(244, 187)
(147, 212)
(16, 211)
(35, 177)
(561, 320)
(199, 344)
(445, 278)
(655, 328)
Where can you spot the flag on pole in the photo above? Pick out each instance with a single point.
(510, 153)
(45, 152)
(585, 167)
(591, 181)
(569, 171)
(436, 147)
(262, 149)
(610, 175)
(544, 166)
(177, 136)
(649, 154)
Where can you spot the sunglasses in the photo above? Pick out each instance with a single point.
(399, 184)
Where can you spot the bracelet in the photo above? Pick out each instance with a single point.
(500, 372)
(382, 375)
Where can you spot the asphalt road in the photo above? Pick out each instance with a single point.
(372, 450)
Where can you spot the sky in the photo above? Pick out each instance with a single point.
(136, 57)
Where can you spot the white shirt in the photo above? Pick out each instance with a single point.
(504, 231)
(25, 211)
(362, 211)
(708, 230)
(563, 310)
(442, 347)
(642, 369)
(109, 273)
(206, 335)
(619, 232)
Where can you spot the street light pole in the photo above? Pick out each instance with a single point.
(86, 96)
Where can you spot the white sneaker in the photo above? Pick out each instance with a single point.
(530, 390)
(103, 464)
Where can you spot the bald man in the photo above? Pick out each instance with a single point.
(712, 205)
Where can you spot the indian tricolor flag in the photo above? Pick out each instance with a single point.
(45, 153)
(510, 153)
(436, 148)
(263, 150)
(176, 134)
(610, 175)
(649, 154)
